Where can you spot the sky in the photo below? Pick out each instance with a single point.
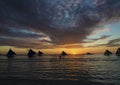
(75, 26)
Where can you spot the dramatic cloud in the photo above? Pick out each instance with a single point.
(24, 43)
(115, 42)
(100, 30)
(96, 39)
(111, 43)
(56, 22)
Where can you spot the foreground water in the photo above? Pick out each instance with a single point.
(97, 69)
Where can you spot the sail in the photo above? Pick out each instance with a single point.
(40, 53)
(31, 53)
(63, 53)
(107, 53)
(11, 53)
(118, 52)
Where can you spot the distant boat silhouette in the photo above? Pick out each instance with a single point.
(40, 53)
(118, 52)
(63, 53)
(89, 53)
(107, 53)
(31, 53)
(11, 53)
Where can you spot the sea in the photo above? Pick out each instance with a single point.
(69, 70)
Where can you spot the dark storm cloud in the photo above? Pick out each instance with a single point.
(24, 43)
(64, 21)
(19, 32)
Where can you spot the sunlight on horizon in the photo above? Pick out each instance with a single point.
(72, 51)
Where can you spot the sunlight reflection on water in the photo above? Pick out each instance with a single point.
(94, 68)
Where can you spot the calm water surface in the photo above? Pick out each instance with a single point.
(93, 68)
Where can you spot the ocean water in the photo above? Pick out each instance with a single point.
(96, 69)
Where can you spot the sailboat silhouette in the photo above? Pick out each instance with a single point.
(63, 53)
(31, 53)
(11, 53)
(107, 53)
(40, 53)
(118, 52)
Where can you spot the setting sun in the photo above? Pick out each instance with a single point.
(74, 53)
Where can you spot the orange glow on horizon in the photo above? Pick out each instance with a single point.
(72, 51)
